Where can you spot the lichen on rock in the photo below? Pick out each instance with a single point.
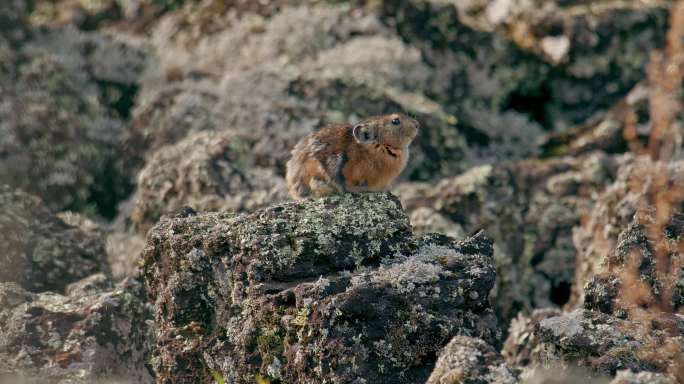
(85, 337)
(326, 290)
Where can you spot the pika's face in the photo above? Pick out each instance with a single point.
(396, 130)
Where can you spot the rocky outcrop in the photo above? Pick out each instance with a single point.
(545, 199)
(621, 223)
(466, 359)
(599, 344)
(207, 171)
(39, 251)
(631, 302)
(286, 82)
(556, 61)
(327, 290)
(95, 334)
(63, 96)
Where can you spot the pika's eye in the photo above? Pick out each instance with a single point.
(396, 121)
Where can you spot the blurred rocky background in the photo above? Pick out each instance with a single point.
(536, 236)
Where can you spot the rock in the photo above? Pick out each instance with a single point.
(545, 199)
(631, 282)
(85, 337)
(606, 344)
(292, 35)
(207, 171)
(123, 253)
(576, 68)
(58, 141)
(283, 84)
(13, 21)
(629, 377)
(90, 285)
(334, 289)
(466, 359)
(626, 207)
(123, 248)
(63, 96)
(522, 346)
(39, 251)
(606, 131)
(106, 59)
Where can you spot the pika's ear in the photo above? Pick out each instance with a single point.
(364, 133)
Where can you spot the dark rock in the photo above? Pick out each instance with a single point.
(39, 251)
(522, 346)
(575, 66)
(333, 289)
(606, 344)
(58, 141)
(550, 346)
(469, 360)
(530, 209)
(622, 235)
(14, 21)
(82, 338)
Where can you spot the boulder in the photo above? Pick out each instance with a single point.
(91, 335)
(466, 359)
(530, 209)
(558, 62)
(39, 251)
(622, 224)
(326, 290)
(207, 171)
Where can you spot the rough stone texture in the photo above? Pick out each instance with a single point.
(207, 171)
(469, 360)
(123, 253)
(625, 205)
(63, 95)
(581, 345)
(329, 290)
(57, 141)
(89, 336)
(632, 278)
(629, 377)
(13, 21)
(39, 251)
(285, 82)
(123, 248)
(606, 344)
(605, 131)
(530, 209)
(578, 65)
(632, 298)
(522, 345)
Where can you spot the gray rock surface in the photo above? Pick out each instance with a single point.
(469, 360)
(327, 290)
(558, 61)
(619, 224)
(530, 209)
(39, 251)
(95, 335)
(207, 171)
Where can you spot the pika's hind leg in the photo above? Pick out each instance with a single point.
(320, 187)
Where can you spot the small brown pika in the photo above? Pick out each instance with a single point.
(365, 157)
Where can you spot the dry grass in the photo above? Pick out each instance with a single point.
(649, 305)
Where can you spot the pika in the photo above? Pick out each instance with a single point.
(365, 157)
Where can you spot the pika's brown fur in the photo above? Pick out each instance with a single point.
(365, 157)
